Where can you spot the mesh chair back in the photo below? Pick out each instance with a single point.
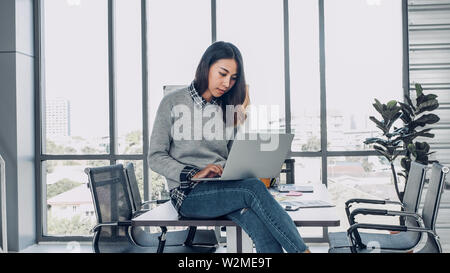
(112, 204)
(134, 188)
(433, 196)
(431, 204)
(413, 190)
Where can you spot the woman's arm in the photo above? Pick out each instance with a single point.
(159, 158)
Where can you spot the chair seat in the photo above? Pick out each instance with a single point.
(402, 241)
(174, 238)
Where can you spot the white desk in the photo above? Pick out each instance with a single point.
(166, 215)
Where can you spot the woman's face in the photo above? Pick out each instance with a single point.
(222, 76)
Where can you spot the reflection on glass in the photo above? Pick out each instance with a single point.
(259, 37)
(367, 177)
(363, 62)
(308, 170)
(128, 69)
(304, 74)
(75, 77)
(70, 210)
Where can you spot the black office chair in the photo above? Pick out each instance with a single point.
(190, 237)
(412, 193)
(113, 208)
(411, 201)
(426, 223)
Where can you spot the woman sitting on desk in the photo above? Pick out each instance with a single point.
(219, 81)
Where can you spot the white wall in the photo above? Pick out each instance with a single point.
(17, 119)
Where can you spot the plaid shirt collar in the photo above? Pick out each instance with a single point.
(199, 100)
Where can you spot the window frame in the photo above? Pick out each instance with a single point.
(40, 157)
(112, 156)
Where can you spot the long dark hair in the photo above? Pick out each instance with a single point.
(237, 94)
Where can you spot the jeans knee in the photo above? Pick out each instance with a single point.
(255, 185)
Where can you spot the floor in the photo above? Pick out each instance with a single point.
(86, 247)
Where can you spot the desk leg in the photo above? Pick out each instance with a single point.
(238, 241)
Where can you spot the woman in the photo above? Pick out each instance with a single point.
(177, 153)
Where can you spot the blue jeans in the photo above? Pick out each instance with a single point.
(250, 205)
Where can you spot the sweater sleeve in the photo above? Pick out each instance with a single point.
(159, 158)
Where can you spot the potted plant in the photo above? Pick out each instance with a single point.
(401, 141)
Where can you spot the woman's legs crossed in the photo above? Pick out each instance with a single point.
(261, 236)
(214, 199)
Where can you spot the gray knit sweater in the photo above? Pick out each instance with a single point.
(176, 149)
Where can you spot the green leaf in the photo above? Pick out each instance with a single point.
(380, 150)
(426, 119)
(391, 104)
(422, 147)
(406, 108)
(430, 97)
(419, 89)
(377, 122)
(370, 140)
(393, 119)
(412, 148)
(427, 106)
(410, 103)
(378, 106)
(424, 133)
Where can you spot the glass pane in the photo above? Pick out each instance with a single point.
(259, 37)
(367, 177)
(363, 62)
(128, 68)
(304, 74)
(177, 38)
(75, 63)
(70, 210)
(160, 188)
(308, 170)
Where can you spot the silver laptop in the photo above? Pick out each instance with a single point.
(255, 155)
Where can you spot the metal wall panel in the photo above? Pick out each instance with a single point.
(429, 57)
(429, 64)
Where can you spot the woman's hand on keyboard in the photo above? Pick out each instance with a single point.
(211, 170)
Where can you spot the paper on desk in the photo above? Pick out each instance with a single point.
(308, 203)
(281, 197)
(294, 193)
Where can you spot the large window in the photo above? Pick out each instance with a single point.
(363, 62)
(304, 75)
(75, 56)
(91, 110)
(101, 60)
(363, 45)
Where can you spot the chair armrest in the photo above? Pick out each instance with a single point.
(381, 212)
(349, 203)
(355, 239)
(109, 224)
